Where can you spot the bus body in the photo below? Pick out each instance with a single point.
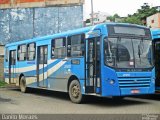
(156, 51)
(110, 59)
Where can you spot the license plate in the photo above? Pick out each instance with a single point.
(134, 91)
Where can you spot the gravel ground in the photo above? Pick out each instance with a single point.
(50, 102)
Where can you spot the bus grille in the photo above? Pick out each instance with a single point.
(134, 82)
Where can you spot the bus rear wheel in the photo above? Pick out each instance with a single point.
(23, 84)
(75, 92)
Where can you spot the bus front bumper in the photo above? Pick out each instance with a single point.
(136, 91)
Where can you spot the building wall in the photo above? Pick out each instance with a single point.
(1, 50)
(37, 3)
(1, 62)
(26, 19)
(25, 23)
(154, 21)
(1, 68)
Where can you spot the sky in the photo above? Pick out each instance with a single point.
(122, 7)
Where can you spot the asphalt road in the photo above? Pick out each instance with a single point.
(49, 102)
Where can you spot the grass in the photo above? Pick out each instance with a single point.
(2, 84)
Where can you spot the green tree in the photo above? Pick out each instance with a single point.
(140, 16)
(112, 18)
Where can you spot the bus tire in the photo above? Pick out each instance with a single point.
(75, 92)
(23, 86)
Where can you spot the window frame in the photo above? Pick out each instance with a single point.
(27, 56)
(64, 46)
(18, 58)
(6, 55)
(70, 43)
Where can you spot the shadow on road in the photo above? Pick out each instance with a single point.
(149, 97)
(47, 93)
(89, 100)
(101, 101)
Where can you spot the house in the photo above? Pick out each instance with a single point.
(98, 17)
(153, 21)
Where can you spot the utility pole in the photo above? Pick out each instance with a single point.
(92, 12)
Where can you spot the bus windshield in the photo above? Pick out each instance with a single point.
(128, 53)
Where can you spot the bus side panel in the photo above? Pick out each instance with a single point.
(28, 69)
(77, 69)
(60, 72)
(56, 75)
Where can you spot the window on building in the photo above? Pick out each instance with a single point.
(21, 53)
(75, 46)
(31, 51)
(58, 48)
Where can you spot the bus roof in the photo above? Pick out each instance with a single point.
(155, 33)
(70, 32)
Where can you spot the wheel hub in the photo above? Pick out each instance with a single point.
(75, 91)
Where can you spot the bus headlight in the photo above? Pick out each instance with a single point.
(112, 82)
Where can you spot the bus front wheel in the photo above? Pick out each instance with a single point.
(23, 84)
(75, 92)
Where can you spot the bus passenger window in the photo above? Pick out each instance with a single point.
(21, 53)
(31, 50)
(6, 55)
(58, 49)
(52, 48)
(76, 46)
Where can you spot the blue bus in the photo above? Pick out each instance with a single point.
(156, 51)
(109, 59)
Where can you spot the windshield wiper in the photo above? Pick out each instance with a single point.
(140, 49)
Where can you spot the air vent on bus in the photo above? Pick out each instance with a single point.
(134, 82)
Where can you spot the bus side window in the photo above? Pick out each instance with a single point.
(58, 48)
(31, 50)
(6, 55)
(76, 45)
(69, 47)
(52, 48)
(21, 53)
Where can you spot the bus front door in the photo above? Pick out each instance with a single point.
(12, 66)
(92, 81)
(42, 56)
